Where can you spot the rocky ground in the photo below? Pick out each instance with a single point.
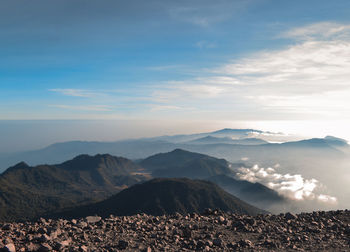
(210, 231)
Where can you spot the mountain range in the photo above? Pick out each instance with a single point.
(306, 155)
(218, 140)
(181, 163)
(27, 192)
(132, 149)
(194, 156)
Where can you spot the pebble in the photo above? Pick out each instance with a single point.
(211, 231)
(93, 219)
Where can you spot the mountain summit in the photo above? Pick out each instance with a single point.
(181, 163)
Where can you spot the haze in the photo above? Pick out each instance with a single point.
(182, 65)
(22, 135)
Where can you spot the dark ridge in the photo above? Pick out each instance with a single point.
(181, 163)
(27, 192)
(166, 196)
(253, 193)
(19, 166)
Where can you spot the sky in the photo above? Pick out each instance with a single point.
(161, 66)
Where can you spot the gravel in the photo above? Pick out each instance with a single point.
(212, 230)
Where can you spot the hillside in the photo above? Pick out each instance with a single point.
(253, 193)
(181, 163)
(26, 192)
(166, 196)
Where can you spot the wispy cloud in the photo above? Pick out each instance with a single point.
(100, 108)
(322, 30)
(206, 13)
(75, 92)
(317, 66)
(181, 90)
(307, 79)
(157, 107)
(191, 15)
(310, 77)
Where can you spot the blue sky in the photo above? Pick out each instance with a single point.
(243, 60)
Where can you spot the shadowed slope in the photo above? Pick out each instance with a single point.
(166, 196)
(181, 163)
(26, 192)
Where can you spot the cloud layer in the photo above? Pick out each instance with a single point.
(309, 78)
(292, 186)
(96, 108)
(74, 92)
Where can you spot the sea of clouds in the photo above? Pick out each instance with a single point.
(294, 187)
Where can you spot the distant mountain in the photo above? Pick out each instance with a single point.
(132, 149)
(231, 133)
(211, 139)
(310, 143)
(181, 163)
(336, 141)
(59, 152)
(227, 140)
(312, 158)
(239, 132)
(166, 196)
(26, 192)
(253, 193)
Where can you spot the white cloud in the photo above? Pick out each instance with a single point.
(157, 107)
(74, 92)
(314, 66)
(322, 30)
(292, 186)
(99, 108)
(327, 198)
(308, 79)
(178, 90)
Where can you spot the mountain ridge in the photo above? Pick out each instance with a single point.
(161, 196)
(26, 191)
(182, 163)
(142, 148)
(212, 140)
